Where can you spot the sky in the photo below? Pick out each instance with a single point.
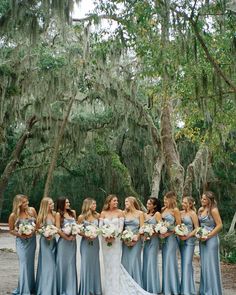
(83, 8)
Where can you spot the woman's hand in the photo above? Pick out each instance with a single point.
(109, 240)
(183, 238)
(163, 236)
(70, 238)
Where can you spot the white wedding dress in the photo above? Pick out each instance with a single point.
(117, 280)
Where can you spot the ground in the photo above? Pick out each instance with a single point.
(9, 268)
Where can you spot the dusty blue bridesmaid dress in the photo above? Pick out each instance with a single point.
(210, 281)
(46, 279)
(66, 265)
(90, 278)
(25, 249)
(170, 275)
(151, 278)
(131, 256)
(187, 251)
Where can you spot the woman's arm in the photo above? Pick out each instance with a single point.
(216, 216)
(11, 224)
(158, 217)
(80, 219)
(60, 232)
(141, 218)
(177, 216)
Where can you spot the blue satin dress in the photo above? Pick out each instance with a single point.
(90, 277)
(66, 265)
(170, 275)
(210, 281)
(46, 279)
(131, 256)
(187, 251)
(25, 249)
(151, 278)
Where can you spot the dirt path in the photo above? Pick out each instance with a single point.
(9, 268)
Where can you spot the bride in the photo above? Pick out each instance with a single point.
(117, 279)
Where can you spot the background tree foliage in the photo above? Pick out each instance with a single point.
(153, 101)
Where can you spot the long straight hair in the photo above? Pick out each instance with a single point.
(171, 197)
(134, 203)
(86, 210)
(43, 210)
(61, 203)
(17, 202)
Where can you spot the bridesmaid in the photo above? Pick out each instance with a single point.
(66, 250)
(209, 218)
(170, 276)
(25, 244)
(151, 278)
(90, 278)
(190, 219)
(131, 253)
(46, 280)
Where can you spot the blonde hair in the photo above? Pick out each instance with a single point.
(17, 202)
(134, 203)
(43, 210)
(191, 202)
(86, 210)
(171, 197)
(106, 205)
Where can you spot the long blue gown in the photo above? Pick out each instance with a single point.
(66, 265)
(151, 278)
(187, 251)
(131, 256)
(90, 278)
(170, 275)
(210, 281)
(25, 249)
(46, 279)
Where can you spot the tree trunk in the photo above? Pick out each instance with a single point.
(197, 171)
(15, 156)
(56, 150)
(232, 226)
(156, 177)
(174, 168)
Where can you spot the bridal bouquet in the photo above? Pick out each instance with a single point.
(162, 227)
(72, 229)
(181, 230)
(147, 231)
(201, 232)
(108, 231)
(90, 231)
(26, 228)
(48, 231)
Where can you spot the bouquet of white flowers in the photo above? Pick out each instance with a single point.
(201, 232)
(90, 231)
(26, 228)
(108, 231)
(127, 236)
(72, 229)
(48, 231)
(162, 227)
(181, 230)
(147, 231)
